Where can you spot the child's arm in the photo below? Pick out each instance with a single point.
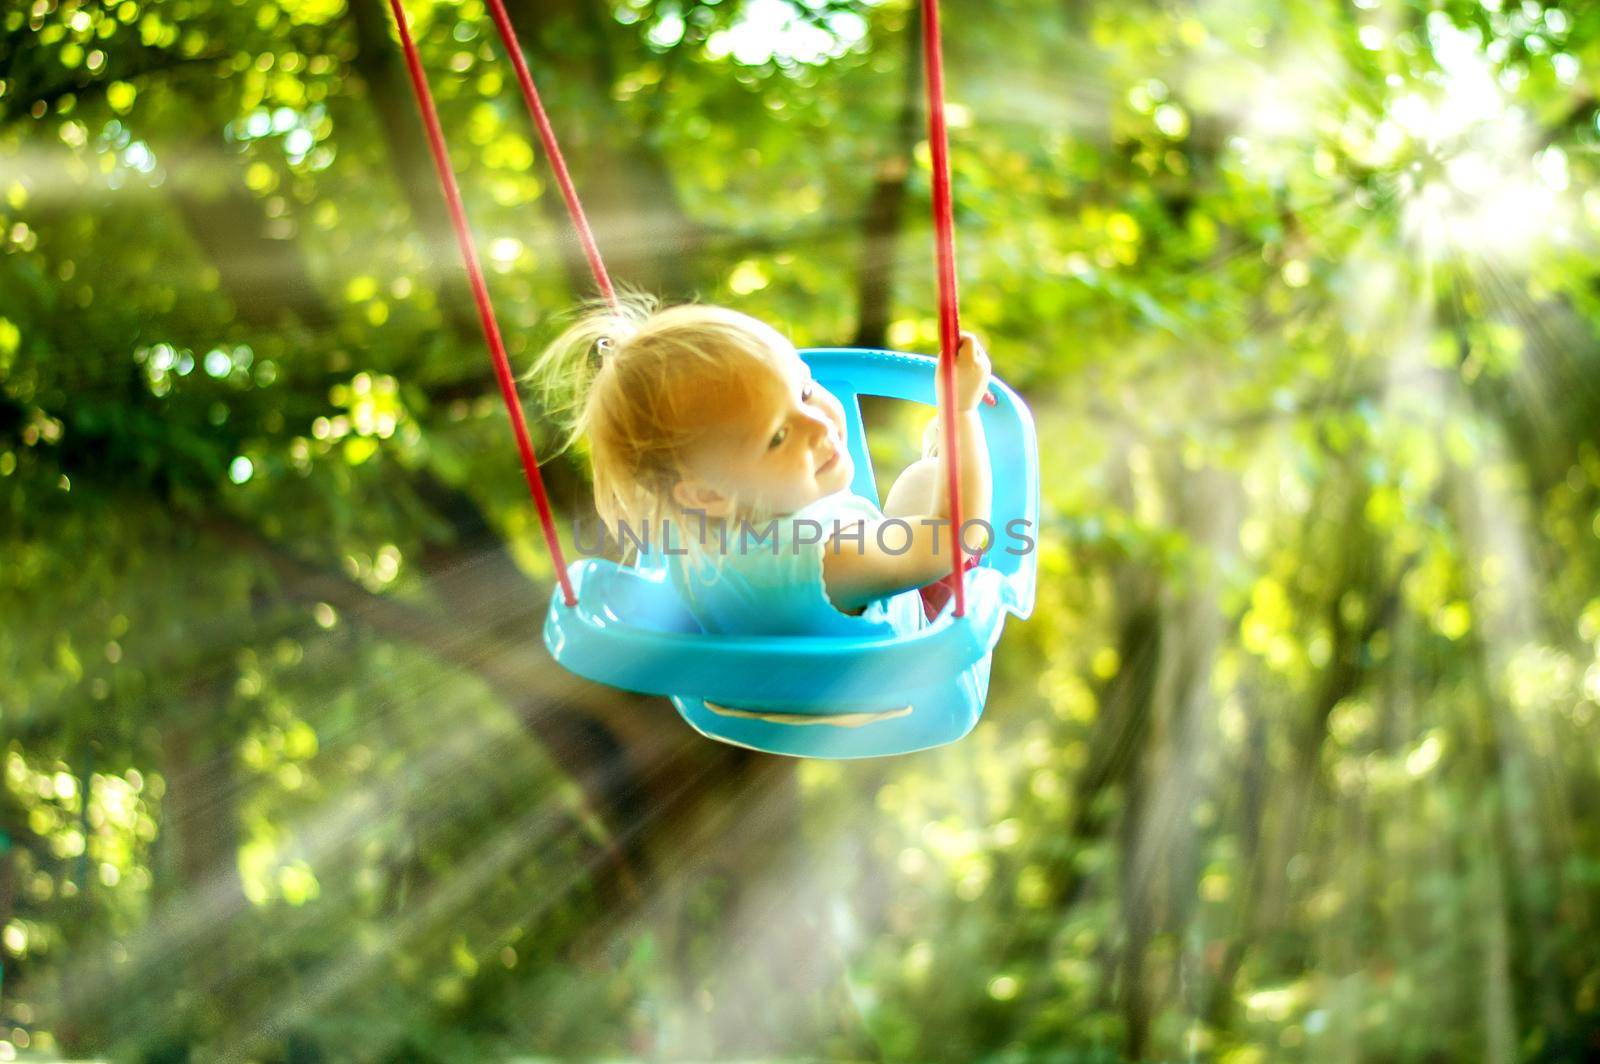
(887, 563)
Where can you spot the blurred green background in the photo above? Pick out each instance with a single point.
(1296, 760)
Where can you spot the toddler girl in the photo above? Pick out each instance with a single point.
(707, 420)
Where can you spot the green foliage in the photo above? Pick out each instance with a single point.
(1293, 762)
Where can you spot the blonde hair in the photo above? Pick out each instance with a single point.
(638, 382)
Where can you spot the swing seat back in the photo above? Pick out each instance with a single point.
(822, 696)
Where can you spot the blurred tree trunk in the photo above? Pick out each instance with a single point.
(1116, 765)
(1137, 916)
(14, 834)
(1263, 898)
(200, 822)
(1121, 723)
(885, 213)
(1519, 808)
(1148, 740)
(379, 64)
(1218, 1003)
(199, 810)
(1159, 776)
(1349, 664)
(1206, 504)
(1496, 867)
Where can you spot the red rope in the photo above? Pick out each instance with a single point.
(949, 318)
(547, 135)
(480, 295)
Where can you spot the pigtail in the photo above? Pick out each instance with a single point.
(566, 372)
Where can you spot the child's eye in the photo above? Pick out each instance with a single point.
(778, 437)
(806, 393)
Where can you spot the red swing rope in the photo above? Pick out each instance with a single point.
(480, 295)
(949, 316)
(944, 230)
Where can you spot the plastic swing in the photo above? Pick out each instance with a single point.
(809, 696)
(848, 697)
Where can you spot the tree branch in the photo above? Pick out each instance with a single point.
(558, 707)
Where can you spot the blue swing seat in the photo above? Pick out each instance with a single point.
(849, 697)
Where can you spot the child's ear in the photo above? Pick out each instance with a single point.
(698, 496)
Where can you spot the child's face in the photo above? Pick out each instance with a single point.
(775, 444)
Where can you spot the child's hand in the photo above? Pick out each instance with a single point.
(972, 374)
